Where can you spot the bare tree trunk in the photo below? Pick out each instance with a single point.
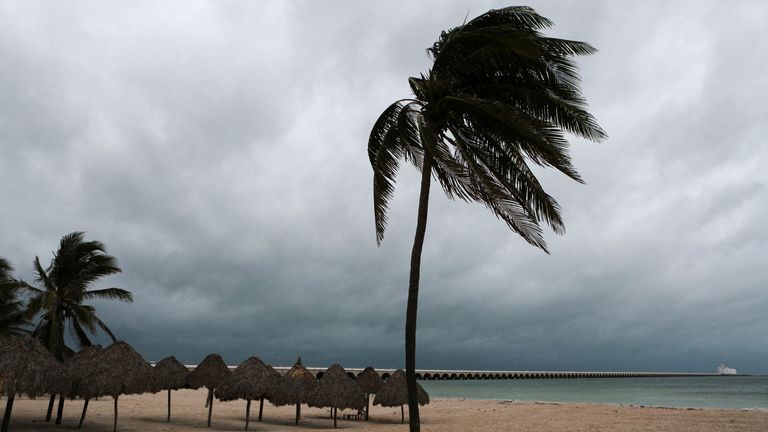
(298, 412)
(247, 414)
(82, 416)
(402, 414)
(115, 426)
(335, 411)
(50, 408)
(7, 415)
(367, 405)
(210, 406)
(413, 296)
(60, 410)
(261, 407)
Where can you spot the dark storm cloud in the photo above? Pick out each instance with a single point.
(218, 149)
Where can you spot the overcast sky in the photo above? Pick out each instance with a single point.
(219, 151)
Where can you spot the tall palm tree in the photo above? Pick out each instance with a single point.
(13, 317)
(64, 286)
(498, 97)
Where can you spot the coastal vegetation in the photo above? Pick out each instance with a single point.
(499, 97)
(57, 303)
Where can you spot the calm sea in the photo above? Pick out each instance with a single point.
(695, 392)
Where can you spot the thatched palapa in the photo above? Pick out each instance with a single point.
(170, 374)
(336, 390)
(394, 393)
(119, 370)
(251, 380)
(26, 367)
(370, 382)
(209, 373)
(294, 388)
(77, 367)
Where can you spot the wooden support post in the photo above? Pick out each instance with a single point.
(82, 416)
(60, 410)
(50, 408)
(169, 405)
(210, 406)
(247, 414)
(7, 415)
(115, 427)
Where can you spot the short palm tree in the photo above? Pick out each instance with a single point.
(64, 286)
(498, 97)
(13, 316)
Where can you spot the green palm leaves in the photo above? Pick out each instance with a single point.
(499, 97)
(13, 317)
(63, 287)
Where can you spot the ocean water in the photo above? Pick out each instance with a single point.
(694, 392)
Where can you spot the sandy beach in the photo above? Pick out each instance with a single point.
(147, 413)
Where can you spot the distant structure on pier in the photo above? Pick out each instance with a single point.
(725, 370)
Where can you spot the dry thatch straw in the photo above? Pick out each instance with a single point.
(27, 367)
(252, 379)
(294, 387)
(170, 374)
(394, 393)
(118, 370)
(77, 367)
(209, 373)
(336, 390)
(370, 382)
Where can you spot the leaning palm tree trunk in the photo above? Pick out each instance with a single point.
(413, 296)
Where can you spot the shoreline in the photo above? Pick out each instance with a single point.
(147, 413)
(607, 404)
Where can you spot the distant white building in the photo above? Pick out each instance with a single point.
(725, 370)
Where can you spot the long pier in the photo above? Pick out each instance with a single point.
(437, 374)
(444, 374)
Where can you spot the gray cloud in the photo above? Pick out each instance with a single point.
(219, 150)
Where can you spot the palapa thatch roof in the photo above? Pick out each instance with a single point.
(27, 367)
(79, 365)
(336, 390)
(119, 369)
(251, 380)
(369, 381)
(170, 374)
(294, 386)
(209, 373)
(395, 393)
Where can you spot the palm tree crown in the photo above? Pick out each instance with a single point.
(64, 286)
(499, 96)
(13, 317)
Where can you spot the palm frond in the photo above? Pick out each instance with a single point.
(109, 294)
(393, 137)
(104, 327)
